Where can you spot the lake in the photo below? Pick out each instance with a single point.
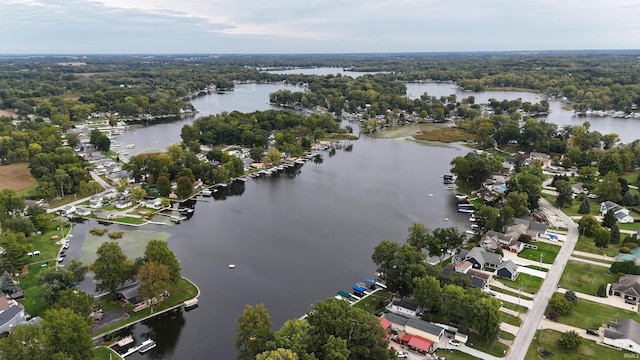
(296, 238)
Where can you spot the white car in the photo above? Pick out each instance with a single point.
(455, 342)
(402, 354)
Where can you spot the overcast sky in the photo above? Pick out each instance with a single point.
(314, 26)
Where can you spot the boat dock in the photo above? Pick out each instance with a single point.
(142, 348)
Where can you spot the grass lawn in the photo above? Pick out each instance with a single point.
(587, 350)
(182, 291)
(586, 244)
(537, 268)
(585, 278)
(506, 336)
(510, 319)
(526, 282)
(492, 347)
(104, 353)
(548, 251)
(592, 259)
(514, 307)
(512, 293)
(133, 243)
(452, 354)
(588, 314)
(631, 176)
(47, 247)
(33, 302)
(635, 226)
(371, 303)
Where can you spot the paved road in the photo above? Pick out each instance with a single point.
(529, 326)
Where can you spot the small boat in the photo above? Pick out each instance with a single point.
(131, 146)
(190, 304)
(146, 346)
(206, 192)
(232, 266)
(125, 341)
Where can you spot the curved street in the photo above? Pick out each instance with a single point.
(518, 350)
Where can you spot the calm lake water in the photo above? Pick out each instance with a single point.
(296, 238)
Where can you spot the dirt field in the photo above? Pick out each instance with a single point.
(16, 177)
(9, 114)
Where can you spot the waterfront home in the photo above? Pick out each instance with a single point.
(621, 213)
(479, 279)
(507, 270)
(95, 201)
(128, 294)
(623, 334)
(404, 306)
(418, 334)
(627, 287)
(103, 214)
(480, 258)
(153, 203)
(82, 211)
(123, 204)
(110, 194)
(67, 210)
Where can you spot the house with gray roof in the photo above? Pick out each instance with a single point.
(507, 270)
(480, 258)
(623, 334)
(11, 317)
(478, 279)
(621, 213)
(627, 287)
(404, 306)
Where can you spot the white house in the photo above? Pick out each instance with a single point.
(405, 307)
(123, 204)
(153, 203)
(67, 210)
(623, 334)
(621, 213)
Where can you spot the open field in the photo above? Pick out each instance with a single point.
(585, 278)
(426, 132)
(587, 350)
(16, 177)
(9, 114)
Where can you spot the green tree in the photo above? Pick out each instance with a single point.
(253, 332)
(588, 177)
(428, 293)
(25, 342)
(154, 280)
(564, 193)
(184, 187)
(585, 206)
(602, 291)
(273, 156)
(488, 218)
(163, 185)
(473, 169)
(54, 281)
(111, 268)
(418, 236)
(278, 354)
(602, 237)
(67, 334)
(294, 335)
(361, 330)
(615, 234)
(569, 341)
(77, 300)
(335, 349)
(138, 193)
(518, 202)
(487, 317)
(609, 188)
(571, 296)
(588, 225)
(158, 252)
(78, 269)
(529, 183)
(15, 248)
(609, 219)
(450, 238)
(399, 265)
(560, 305)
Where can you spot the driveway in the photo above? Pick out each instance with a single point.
(532, 272)
(530, 324)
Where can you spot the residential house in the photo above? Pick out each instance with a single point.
(386, 325)
(110, 194)
(463, 267)
(507, 270)
(103, 214)
(95, 201)
(480, 258)
(67, 210)
(82, 211)
(12, 316)
(41, 203)
(153, 203)
(543, 158)
(478, 279)
(128, 294)
(404, 306)
(424, 329)
(123, 204)
(418, 334)
(627, 287)
(623, 334)
(621, 213)
(534, 228)
(493, 240)
(578, 188)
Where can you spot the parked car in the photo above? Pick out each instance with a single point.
(593, 332)
(630, 302)
(491, 293)
(65, 246)
(63, 253)
(402, 354)
(455, 342)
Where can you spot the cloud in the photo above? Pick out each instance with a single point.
(249, 26)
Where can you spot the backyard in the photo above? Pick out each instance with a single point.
(525, 282)
(585, 278)
(587, 244)
(374, 302)
(588, 314)
(545, 252)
